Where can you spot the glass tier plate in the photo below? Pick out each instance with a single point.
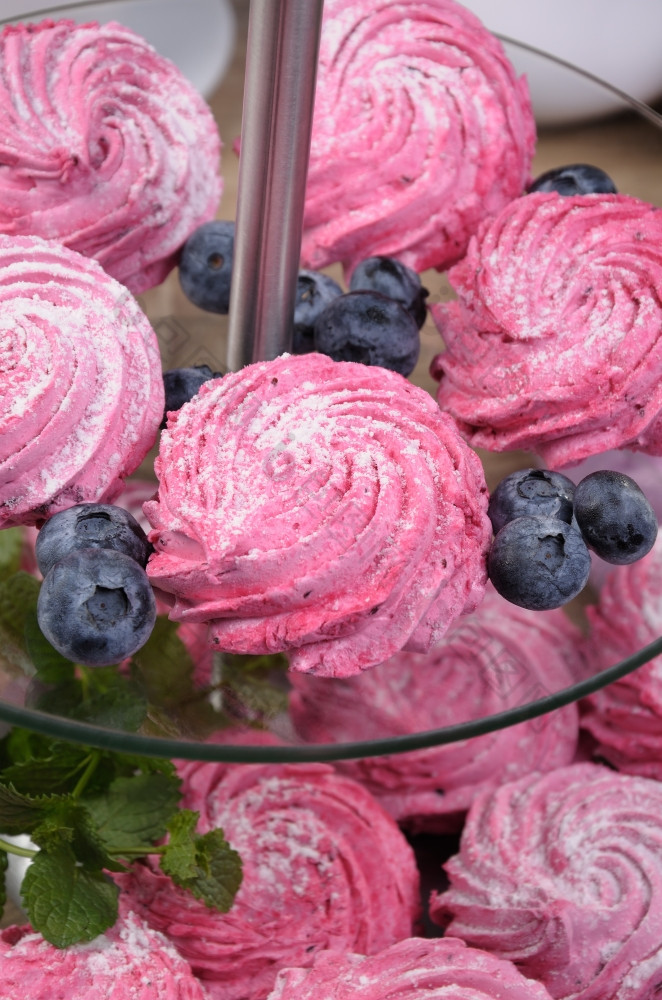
(203, 723)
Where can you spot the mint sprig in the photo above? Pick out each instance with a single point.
(91, 811)
(65, 901)
(205, 864)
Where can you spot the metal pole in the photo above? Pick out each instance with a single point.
(279, 92)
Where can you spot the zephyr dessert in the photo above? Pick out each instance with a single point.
(411, 970)
(499, 657)
(105, 147)
(562, 874)
(129, 962)
(81, 392)
(554, 343)
(421, 128)
(625, 718)
(324, 868)
(327, 509)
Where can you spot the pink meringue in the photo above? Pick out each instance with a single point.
(129, 962)
(499, 657)
(554, 345)
(324, 867)
(625, 718)
(562, 874)
(105, 147)
(324, 508)
(81, 391)
(410, 970)
(421, 128)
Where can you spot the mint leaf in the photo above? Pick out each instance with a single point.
(177, 706)
(165, 667)
(18, 597)
(178, 859)
(65, 902)
(52, 667)
(22, 813)
(55, 773)
(103, 696)
(205, 864)
(69, 823)
(252, 686)
(219, 875)
(134, 812)
(4, 862)
(11, 548)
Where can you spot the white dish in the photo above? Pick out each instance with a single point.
(617, 40)
(197, 35)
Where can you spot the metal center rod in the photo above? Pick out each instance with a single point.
(279, 94)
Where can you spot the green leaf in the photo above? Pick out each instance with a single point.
(103, 696)
(56, 773)
(4, 862)
(204, 864)
(21, 745)
(22, 813)
(52, 667)
(251, 686)
(165, 667)
(178, 860)
(134, 812)
(11, 548)
(65, 902)
(18, 597)
(69, 823)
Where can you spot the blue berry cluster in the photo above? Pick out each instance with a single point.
(376, 323)
(96, 605)
(544, 526)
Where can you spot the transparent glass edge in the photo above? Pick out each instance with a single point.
(641, 107)
(153, 746)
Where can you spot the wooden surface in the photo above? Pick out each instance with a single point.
(628, 148)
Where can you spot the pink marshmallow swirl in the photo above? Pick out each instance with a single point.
(421, 128)
(323, 508)
(324, 868)
(499, 657)
(105, 147)
(129, 962)
(81, 391)
(554, 345)
(442, 969)
(625, 718)
(562, 874)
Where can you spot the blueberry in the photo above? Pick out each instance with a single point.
(205, 266)
(538, 562)
(96, 606)
(576, 178)
(182, 384)
(531, 492)
(314, 292)
(90, 526)
(369, 328)
(388, 276)
(614, 516)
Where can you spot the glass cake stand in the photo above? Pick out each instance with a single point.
(157, 710)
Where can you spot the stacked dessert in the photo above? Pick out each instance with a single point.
(333, 511)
